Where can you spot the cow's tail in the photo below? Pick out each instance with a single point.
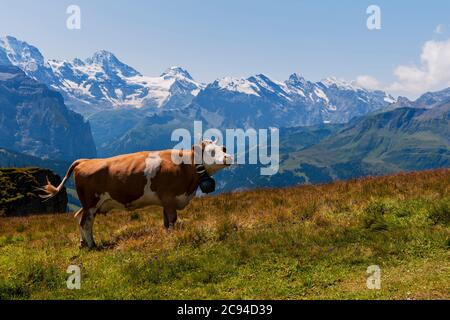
(50, 190)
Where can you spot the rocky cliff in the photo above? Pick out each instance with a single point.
(34, 120)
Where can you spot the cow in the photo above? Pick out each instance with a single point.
(137, 180)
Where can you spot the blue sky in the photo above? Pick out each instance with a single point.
(213, 39)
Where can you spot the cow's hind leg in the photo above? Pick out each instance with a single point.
(86, 222)
(79, 216)
(86, 215)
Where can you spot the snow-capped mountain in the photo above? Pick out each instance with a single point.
(338, 100)
(346, 100)
(19, 53)
(104, 80)
(26, 57)
(261, 101)
(101, 81)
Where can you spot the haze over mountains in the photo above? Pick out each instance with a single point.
(330, 129)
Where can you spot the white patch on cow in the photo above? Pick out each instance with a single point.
(184, 199)
(152, 167)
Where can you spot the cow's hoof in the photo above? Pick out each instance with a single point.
(85, 245)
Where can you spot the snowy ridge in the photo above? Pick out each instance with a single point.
(20, 54)
(341, 83)
(119, 85)
(101, 79)
(239, 85)
(327, 101)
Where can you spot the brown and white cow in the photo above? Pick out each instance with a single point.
(137, 180)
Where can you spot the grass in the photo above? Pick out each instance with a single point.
(306, 242)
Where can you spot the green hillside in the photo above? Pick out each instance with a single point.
(403, 139)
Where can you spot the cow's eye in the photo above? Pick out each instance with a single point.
(213, 153)
(224, 150)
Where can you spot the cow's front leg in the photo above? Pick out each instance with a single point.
(170, 217)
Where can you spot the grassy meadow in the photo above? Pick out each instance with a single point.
(305, 242)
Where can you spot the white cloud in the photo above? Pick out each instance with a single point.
(368, 82)
(433, 72)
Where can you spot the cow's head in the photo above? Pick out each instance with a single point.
(214, 156)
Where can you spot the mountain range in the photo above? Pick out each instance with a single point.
(101, 81)
(403, 139)
(121, 103)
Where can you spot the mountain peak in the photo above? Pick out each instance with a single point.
(238, 85)
(102, 57)
(340, 83)
(176, 72)
(11, 39)
(78, 62)
(109, 62)
(8, 38)
(20, 53)
(296, 77)
(262, 78)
